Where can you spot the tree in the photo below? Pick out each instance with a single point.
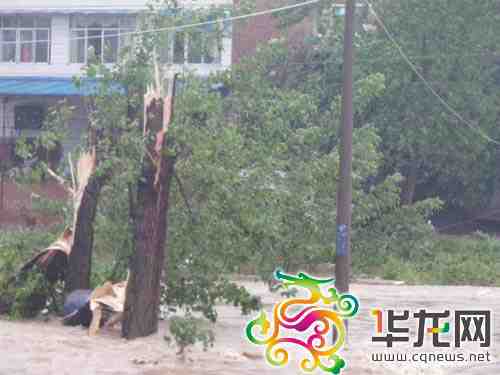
(279, 203)
(150, 214)
(112, 130)
(83, 190)
(248, 176)
(452, 45)
(158, 156)
(103, 130)
(80, 259)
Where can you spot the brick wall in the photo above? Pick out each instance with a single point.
(16, 207)
(247, 35)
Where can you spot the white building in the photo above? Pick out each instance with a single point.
(44, 43)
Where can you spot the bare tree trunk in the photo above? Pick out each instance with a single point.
(147, 263)
(150, 221)
(80, 259)
(410, 185)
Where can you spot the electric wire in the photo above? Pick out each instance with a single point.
(414, 68)
(180, 27)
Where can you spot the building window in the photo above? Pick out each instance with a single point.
(25, 39)
(193, 48)
(99, 36)
(28, 117)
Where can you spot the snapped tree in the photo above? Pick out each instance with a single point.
(150, 213)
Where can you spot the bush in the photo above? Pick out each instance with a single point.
(465, 260)
(471, 260)
(188, 331)
(26, 295)
(396, 269)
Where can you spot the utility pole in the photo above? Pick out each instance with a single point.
(344, 190)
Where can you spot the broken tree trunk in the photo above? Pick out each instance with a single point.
(150, 220)
(84, 190)
(53, 260)
(79, 267)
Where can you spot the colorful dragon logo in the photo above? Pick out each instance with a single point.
(302, 315)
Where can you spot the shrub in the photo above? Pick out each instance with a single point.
(188, 331)
(22, 296)
(464, 260)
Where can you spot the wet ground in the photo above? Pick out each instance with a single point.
(46, 348)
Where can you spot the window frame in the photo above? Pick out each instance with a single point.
(32, 108)
(119, 32)
(19, 31)
(205, 36)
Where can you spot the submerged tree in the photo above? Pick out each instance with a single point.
(143, 148)
(150, 215)
(248, 175)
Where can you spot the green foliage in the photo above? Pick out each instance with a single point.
(472, 260)
(29, 295)
(451, 44)
(389, 229)
(256, 171)
(195, 282)
(451, 261)
(40, 153)
(18, 245)
(186, 288)
(282, 207)
(23, 296)
(51, 208)
(188, 330)
(394, 268)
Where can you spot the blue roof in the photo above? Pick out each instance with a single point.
(46, 86)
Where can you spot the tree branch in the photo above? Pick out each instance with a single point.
(131, 203)
(194, 219)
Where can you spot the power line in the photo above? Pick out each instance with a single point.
(181, 27)
(427, 84)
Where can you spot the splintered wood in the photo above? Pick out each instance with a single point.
(109, 298)
(85, 168)
(53, 260)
